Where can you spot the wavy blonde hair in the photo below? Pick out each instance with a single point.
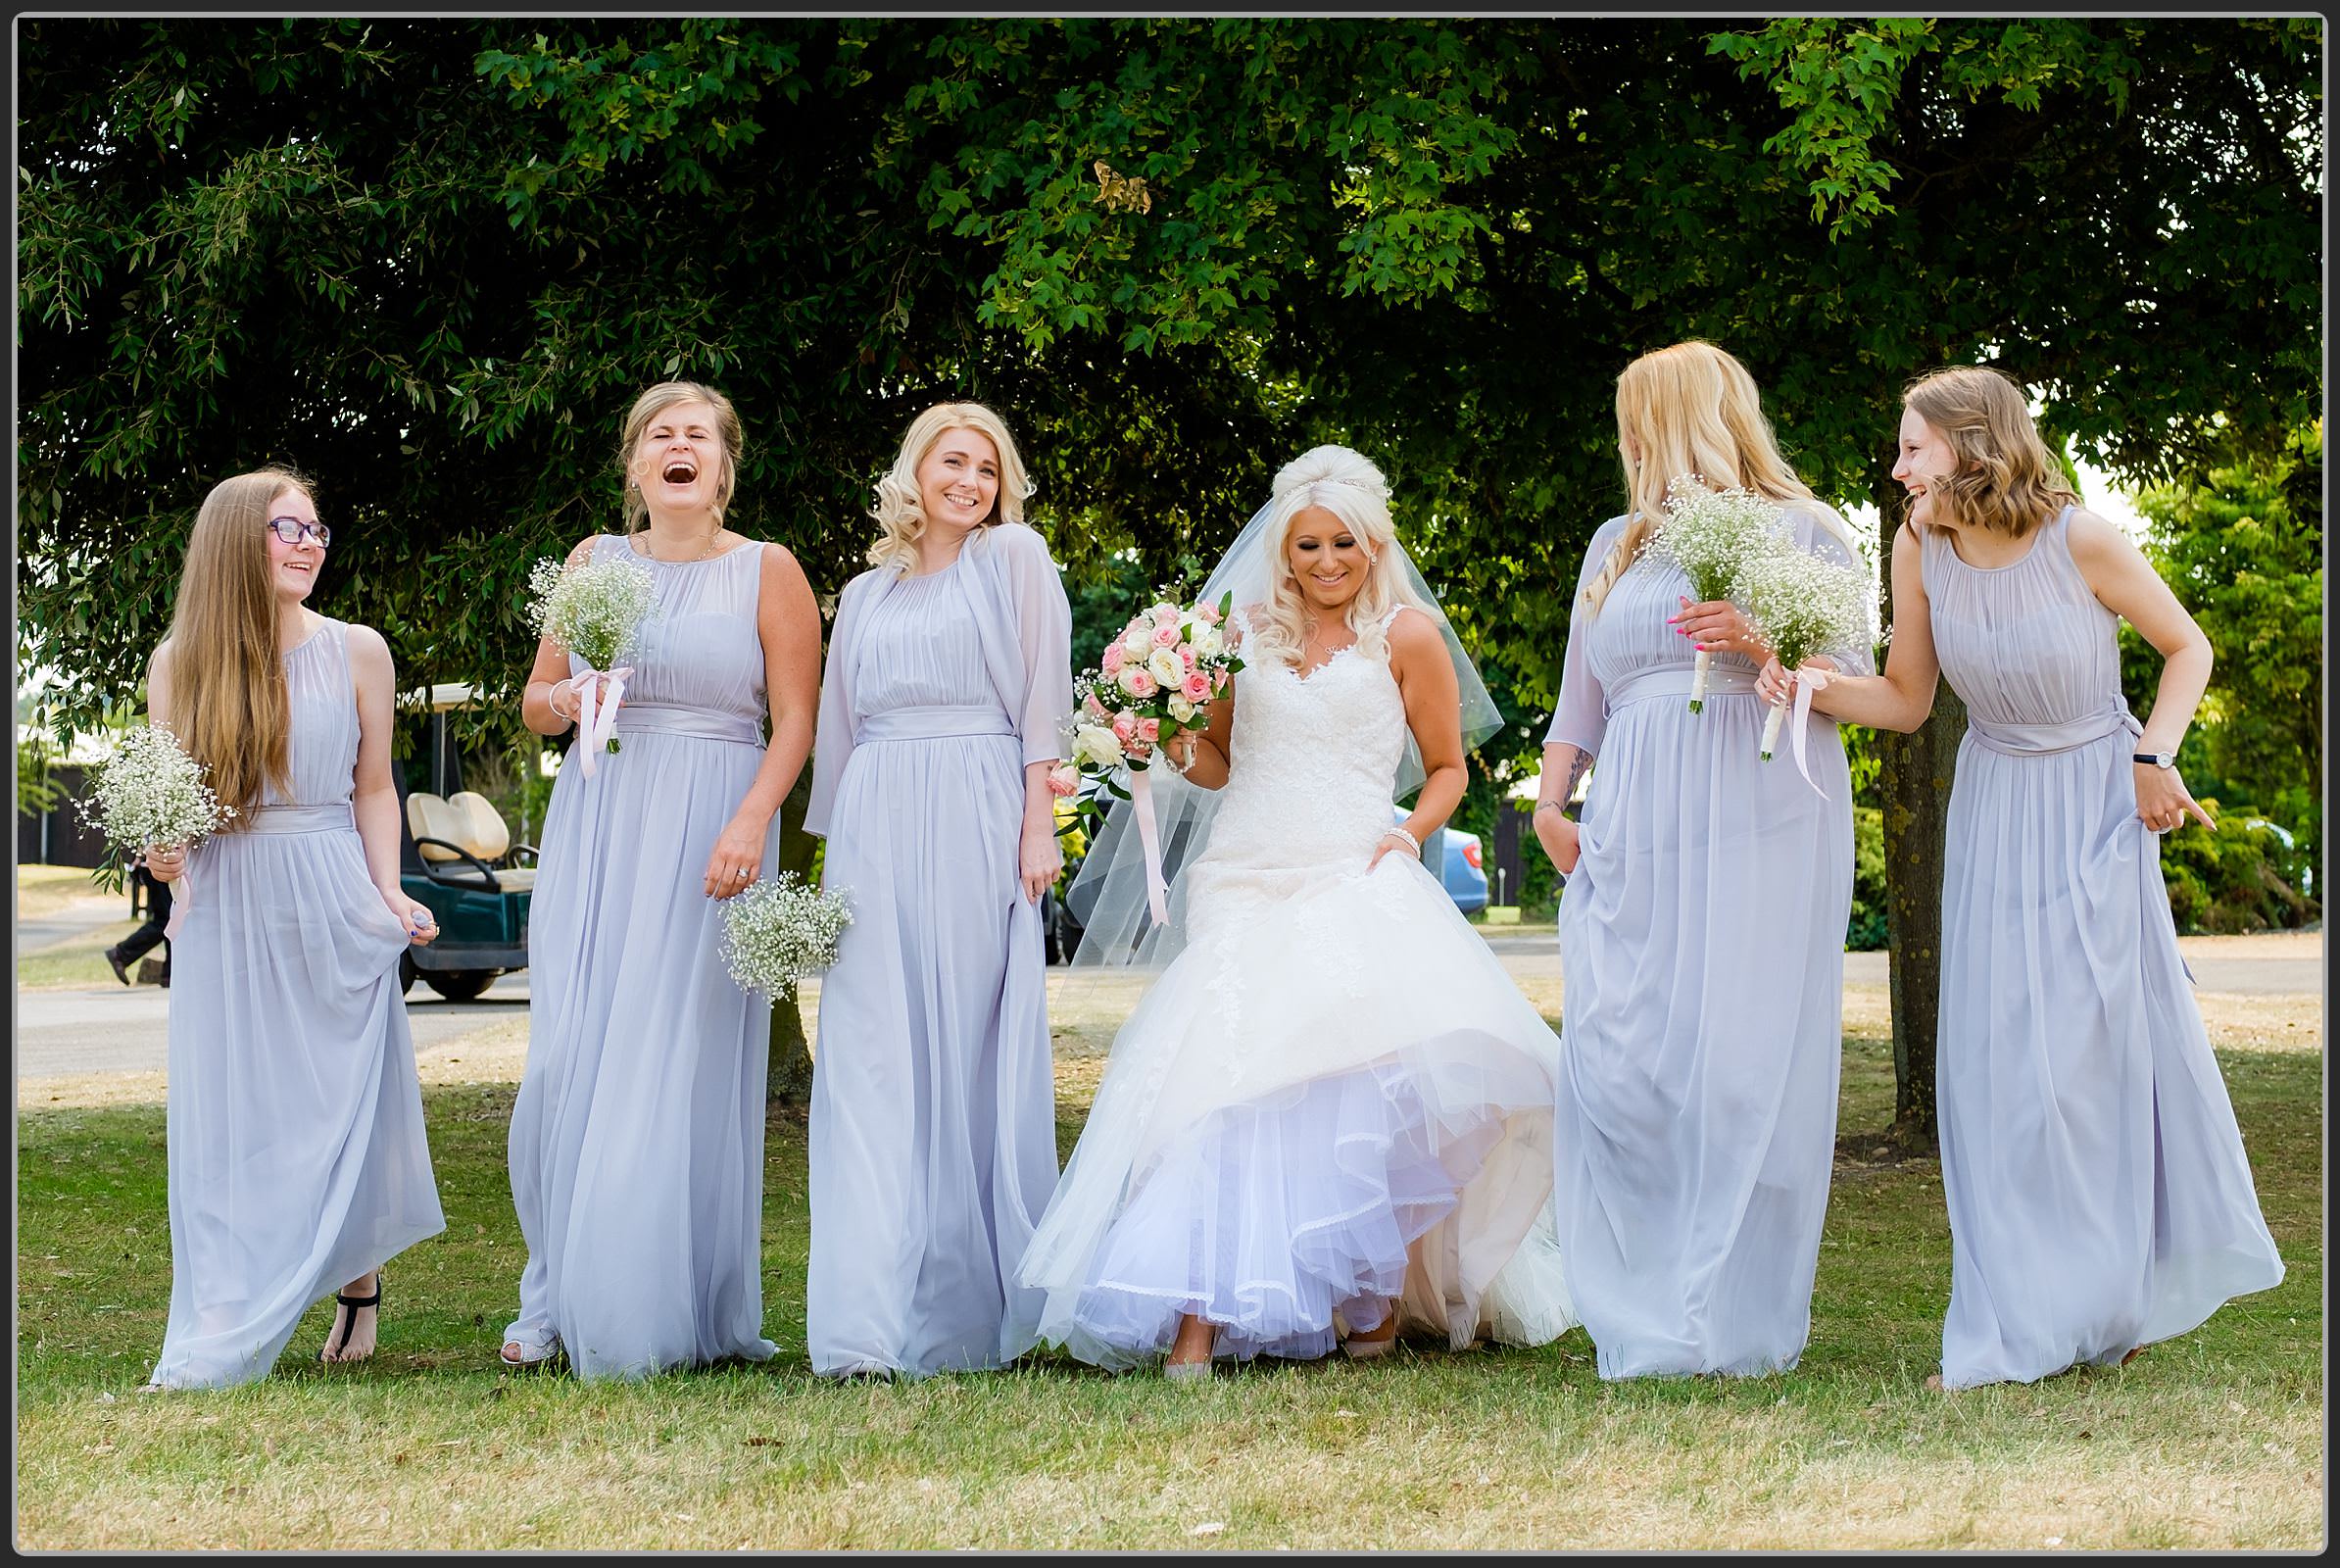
(902, 517)
(230, 707)
(2007, 480)
(648, 406)
(1346, 484)
(1692, 409)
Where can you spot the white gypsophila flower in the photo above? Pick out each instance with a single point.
(594, 609)
(1713, 536)
(779, 932)
(151, 793)
(1803, 605)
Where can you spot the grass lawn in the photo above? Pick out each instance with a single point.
(2214, 1440)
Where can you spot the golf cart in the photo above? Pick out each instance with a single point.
(457, 857)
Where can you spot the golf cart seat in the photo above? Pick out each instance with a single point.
(463, 840)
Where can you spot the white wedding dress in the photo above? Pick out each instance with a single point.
(1332, 1099)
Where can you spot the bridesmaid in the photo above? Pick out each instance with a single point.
(2099, 1195)
(934, 1121)
(637, 1142)
(296, 1156)
(1702, 927)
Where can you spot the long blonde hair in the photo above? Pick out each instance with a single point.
(1692, 409)
(648, 406)
(229, 704)
(2007, 480)
(902, 517)
(1346, 484)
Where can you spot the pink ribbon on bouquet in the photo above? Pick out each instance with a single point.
(1806, 681)
(183, 896)
(596, 721)
(1157, 891)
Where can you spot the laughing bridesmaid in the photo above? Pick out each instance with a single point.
(2099, 1195)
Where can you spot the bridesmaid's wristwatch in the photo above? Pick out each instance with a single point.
(2157, 759)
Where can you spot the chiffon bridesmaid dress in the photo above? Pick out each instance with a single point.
(296, 1149)
(637, 1140)
(1702, 959)
(2099, 1195)
(934, 1119)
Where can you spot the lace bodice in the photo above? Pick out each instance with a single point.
(1309, 781)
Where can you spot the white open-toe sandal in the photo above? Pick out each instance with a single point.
(535, 1350)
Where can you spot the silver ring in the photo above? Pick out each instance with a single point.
(740, 871)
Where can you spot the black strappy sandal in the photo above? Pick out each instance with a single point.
(353, 1302)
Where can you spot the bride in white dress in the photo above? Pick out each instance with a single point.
(1332, 1113)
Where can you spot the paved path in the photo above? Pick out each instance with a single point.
(113, 1029)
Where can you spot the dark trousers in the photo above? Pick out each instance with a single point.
(141, 942)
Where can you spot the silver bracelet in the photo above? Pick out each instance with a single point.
(1401, 833)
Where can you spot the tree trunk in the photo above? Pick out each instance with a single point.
(788, 1068)
(1915, 787)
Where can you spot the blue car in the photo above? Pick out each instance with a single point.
(1462, 872)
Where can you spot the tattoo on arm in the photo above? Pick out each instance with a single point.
(1576, 771)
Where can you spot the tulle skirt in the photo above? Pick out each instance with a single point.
(1336, 1106)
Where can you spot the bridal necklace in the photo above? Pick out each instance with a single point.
(687, 560)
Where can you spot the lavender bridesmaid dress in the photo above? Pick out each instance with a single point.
(1702, 959)
(296, 1144)
(637, 1140)
(2099, 1195)
(934, 1120)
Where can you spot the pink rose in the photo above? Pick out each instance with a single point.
(1149, 730)
(1165, 634)
(1208, 615)
(1186, 655)
(1096, 708)
(1112, 659)
(1196, 687)
(1063, 779)
(1125, 724)
(1137, 683)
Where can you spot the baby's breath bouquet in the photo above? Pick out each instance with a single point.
(150, 794)
(1802, 605)
(778, 932)
(1714, 536)
(594, 610)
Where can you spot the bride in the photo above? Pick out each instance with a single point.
(1332, 1110)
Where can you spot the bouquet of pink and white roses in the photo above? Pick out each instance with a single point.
(1159, 676)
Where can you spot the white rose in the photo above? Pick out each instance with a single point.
(1096, 746)
(1180, 709)
(1139, 642)
(1166, 666)
(1206, 641)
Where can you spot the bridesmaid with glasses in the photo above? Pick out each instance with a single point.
(296, 1149)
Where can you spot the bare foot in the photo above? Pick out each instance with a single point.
(1934, 1383)
(2132, 1355)
(353, 1335)
(1193, 1345)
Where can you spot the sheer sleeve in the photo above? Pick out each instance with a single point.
(833, 730)
(1814, 537)
(1044, 627)
(1581, 715)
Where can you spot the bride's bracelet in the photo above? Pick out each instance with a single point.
(1412, 842)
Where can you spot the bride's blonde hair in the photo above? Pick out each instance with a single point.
(1690, 407)
(1347, 485)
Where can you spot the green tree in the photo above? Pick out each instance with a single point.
(2242, 550)
(431, 261)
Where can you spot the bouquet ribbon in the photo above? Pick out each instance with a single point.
(1157, 891)
(597, 721)
(182, 899)
(1806, 681)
